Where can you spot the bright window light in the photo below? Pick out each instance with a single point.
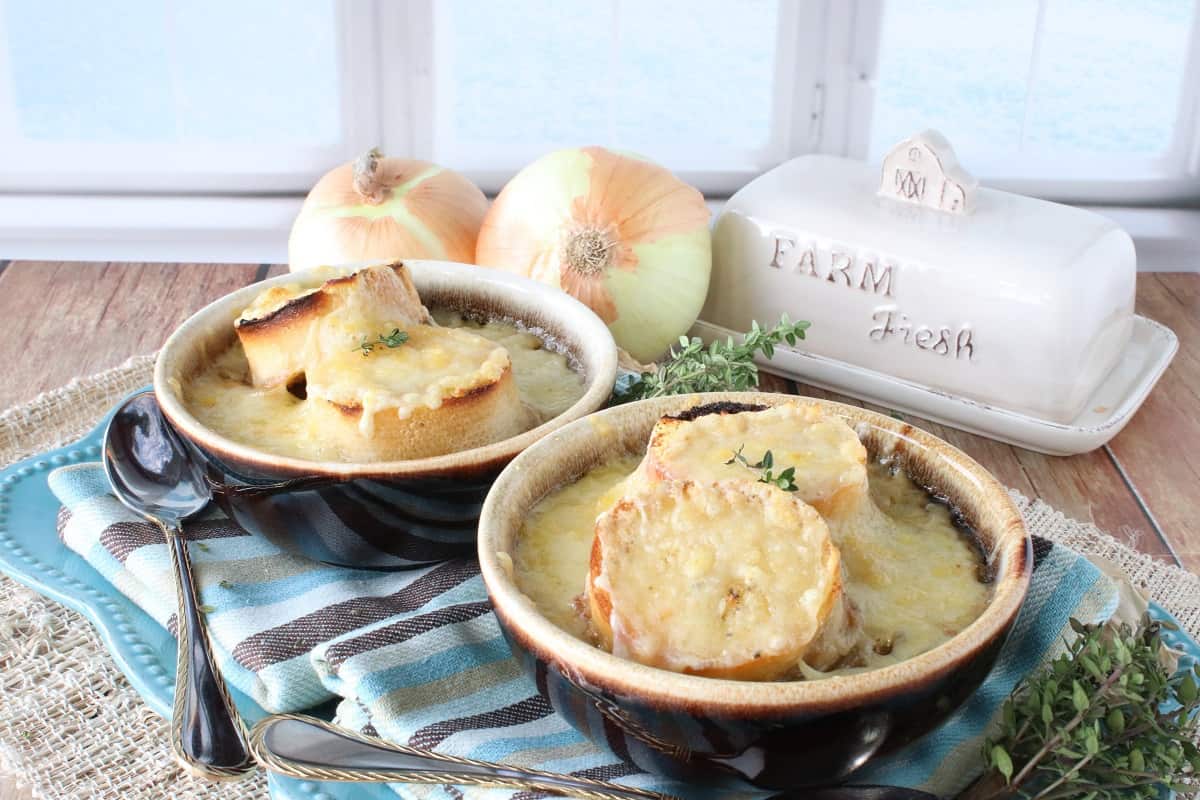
(1059, 78)
(220, 71)
(676, 80)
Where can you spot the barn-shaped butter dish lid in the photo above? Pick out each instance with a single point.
(989, 311)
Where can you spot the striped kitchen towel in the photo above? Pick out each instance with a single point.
(417, 656)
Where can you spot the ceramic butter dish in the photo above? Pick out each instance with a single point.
(919, 276)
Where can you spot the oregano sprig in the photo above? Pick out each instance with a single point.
(785, 480)
(726, 366)
(1103, 721)
(390, 340)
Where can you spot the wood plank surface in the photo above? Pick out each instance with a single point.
(1159, 451)
(63, 319)
(66, 319)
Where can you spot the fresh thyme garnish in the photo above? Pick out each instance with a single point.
(721, 367)
(785, 480)
(1103, 721)
(394, 339)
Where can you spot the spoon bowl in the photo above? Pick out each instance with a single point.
(149, 466)
(152, 473)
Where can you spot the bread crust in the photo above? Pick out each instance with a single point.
(642, 526)
(480, 415)
(277, 332)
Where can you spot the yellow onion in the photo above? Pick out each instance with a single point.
(619, 233)
(380, 208)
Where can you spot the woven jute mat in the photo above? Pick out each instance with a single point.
(72, 727)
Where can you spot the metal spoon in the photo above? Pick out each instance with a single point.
(312, 749)
(153, 474)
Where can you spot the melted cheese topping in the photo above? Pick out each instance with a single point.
(551, 558)
(916, 582)
(537, 366)
(824, 452)
(432, 366)
(274, 420)
(281, 343)
(687, 596)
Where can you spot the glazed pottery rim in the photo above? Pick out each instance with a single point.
(588, 331)
(588, 665)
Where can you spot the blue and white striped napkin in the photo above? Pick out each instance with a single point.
(417, 656)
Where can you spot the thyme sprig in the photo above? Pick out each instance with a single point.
(1103, 721)
(720, 367)
(394, 339)
(785, 480)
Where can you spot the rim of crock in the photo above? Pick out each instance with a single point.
(597, 351)
(592, 665)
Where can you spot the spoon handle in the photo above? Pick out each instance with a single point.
(207, 737)
(312, 749)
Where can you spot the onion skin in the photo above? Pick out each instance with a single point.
(619, 233)
(423, 211)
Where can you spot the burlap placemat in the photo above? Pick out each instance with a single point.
(72, 727)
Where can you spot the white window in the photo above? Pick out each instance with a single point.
(691, 83)
(1080, 99)
(176, 97)
(1095, 99)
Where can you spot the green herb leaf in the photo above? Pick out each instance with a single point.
(1002, 762)
(390, 340)
(1104, 721)
(785, 480)
(720, 367)
(1079, 697)
(1187, 690)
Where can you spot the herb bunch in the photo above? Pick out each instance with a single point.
(391, 340)
(1103, 721)
(785, 480)
(721, 367)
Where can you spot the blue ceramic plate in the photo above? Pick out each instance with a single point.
(31, 553)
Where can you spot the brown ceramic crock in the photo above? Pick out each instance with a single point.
(384, 515)
(770, 735)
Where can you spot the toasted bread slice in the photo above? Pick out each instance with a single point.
(829, 462)
(729, 580)
(441, 391)
(288, 327)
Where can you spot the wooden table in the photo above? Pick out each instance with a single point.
(62, 320)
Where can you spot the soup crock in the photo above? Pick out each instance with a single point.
(771, 735)
(386, 515)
